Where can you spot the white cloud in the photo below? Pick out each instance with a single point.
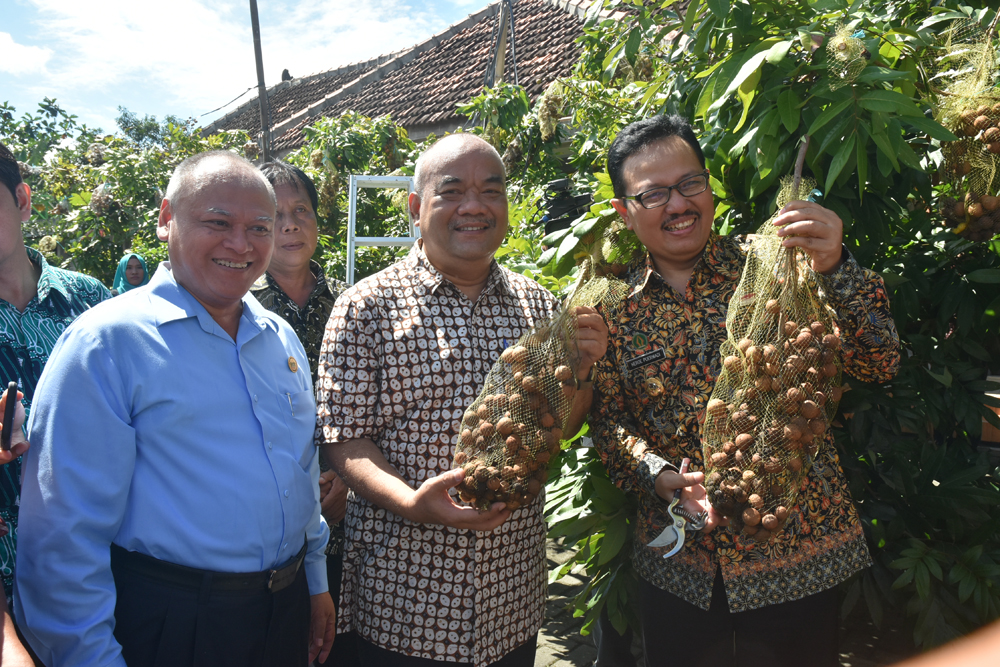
(18, 59)
(194, 55)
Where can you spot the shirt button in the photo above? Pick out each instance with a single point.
(255, 398)
(270, 446)
(286, 493)
(285, 546)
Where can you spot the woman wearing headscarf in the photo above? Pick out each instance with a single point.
(131, 273)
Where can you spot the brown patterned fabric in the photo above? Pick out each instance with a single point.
(650, 395)
(405, 353)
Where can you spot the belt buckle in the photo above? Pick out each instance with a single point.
(270, 580)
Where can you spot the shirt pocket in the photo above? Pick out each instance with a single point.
(298, 408)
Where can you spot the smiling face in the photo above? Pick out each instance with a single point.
(675, 234)
(219, 232)
(462, 210)
(296, 233)
(134, 273)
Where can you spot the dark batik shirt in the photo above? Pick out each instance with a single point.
(309, 324)
(26, 339)
(406, 352)
(649, 415)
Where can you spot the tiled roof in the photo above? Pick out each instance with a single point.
(421, 87)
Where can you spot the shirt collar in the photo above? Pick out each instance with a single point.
(267, 282)
(432, 279)
(170, 302)
(713, 260)
(49, 279)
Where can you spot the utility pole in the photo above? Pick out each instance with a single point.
(265, 124)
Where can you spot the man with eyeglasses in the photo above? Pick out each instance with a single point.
(722, 599)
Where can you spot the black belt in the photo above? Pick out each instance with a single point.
(190, 577)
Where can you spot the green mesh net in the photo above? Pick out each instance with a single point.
(846, 57)
(515, 425)
(779, 386)
(968, 104)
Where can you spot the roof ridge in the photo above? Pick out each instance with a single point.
(383, 65)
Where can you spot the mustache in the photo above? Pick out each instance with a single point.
(676, 216)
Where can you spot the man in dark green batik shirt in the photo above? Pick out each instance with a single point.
(37, 302)
(296, 288)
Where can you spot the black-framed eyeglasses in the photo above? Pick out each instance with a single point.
(657, 197)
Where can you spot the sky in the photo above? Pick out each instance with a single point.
(188, 57)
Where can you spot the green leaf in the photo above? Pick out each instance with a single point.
(79, 198)
(984, 276)
(889, 101)
(882, 143)
(689, 15)
(585, 227)
(839, 161)
(719, 7)
(735, 151)
(930, 127)
(788, 107)
(555, 237)
(778, 52)
(614, 540)
(546, 257)
(944, 378)
(828, 115)
(632, 43)
(749, 68)
(746, 92)
(862, 164)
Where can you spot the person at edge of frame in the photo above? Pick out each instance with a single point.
(723, 599)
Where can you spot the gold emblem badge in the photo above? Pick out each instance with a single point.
(654, 387)
(292, 364)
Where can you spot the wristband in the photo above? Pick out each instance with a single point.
(589, 382)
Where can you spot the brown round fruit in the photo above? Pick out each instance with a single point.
(991, 134)
(505, 426)
(981, 122)
(772, 306)
(564, 373)
(831, 342)
(781, 512)
(790, 327)
(744, 345)
(809, 410)
(751, 517)
(743, 441)
(795, 464)
(756, 501)
(975, 210)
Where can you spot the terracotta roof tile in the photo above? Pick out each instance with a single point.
(422, 86)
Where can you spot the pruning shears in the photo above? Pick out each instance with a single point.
(682, 521)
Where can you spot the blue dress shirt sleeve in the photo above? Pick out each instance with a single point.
(65, 607)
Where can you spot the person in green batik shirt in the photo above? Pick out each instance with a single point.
(296, 288)
(37, 302)
(724, 599)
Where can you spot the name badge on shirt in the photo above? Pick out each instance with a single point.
(646, 359)
(293, 365)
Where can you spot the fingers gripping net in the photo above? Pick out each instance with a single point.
(514, 427)
(779, 387)
(969, 105)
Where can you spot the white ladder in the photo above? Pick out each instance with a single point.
(354, 241)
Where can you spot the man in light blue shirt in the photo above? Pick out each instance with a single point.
(170, 510)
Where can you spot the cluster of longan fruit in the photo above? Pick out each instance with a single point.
(756, 443)
(973, 215)
(513, 429)
(975, 218)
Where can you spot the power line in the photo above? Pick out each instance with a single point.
(229, 102)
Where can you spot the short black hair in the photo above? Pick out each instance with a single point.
(642, 133)
(280, 172)
(10, 172)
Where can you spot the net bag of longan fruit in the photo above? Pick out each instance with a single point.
(515, 425)
(778, 388)
(969, 106)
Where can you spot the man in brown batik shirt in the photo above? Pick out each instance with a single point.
(406, 352)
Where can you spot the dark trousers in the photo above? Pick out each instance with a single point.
(163, 624)
(613, 649)
(376, 656)
(802, 633)
(345, 650)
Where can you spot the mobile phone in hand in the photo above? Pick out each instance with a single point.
(8, 416)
